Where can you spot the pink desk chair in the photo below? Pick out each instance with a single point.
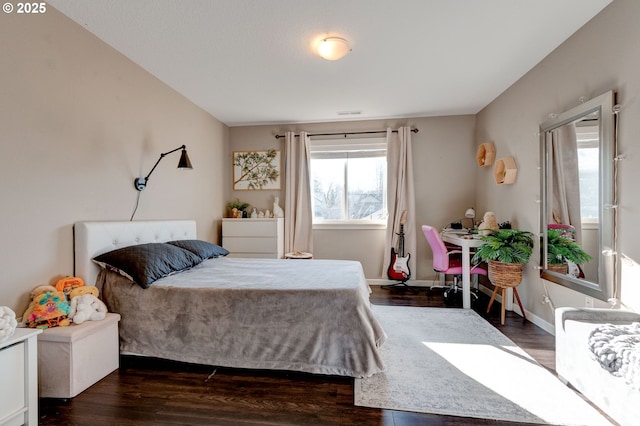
(443, 264)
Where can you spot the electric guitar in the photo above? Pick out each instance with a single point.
(399, 265)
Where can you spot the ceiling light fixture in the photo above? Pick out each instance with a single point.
(333, 48)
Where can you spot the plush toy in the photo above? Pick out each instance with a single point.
(41, 289)
(8, 323)
(488, 224)
(50, 310)
(87, 307)
(81, 291)
(67, 284)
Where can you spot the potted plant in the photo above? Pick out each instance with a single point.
(236, 204)
(506, 251)
(561, 249)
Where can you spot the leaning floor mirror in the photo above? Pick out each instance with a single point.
(578, 153)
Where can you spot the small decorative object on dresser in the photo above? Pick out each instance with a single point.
(277, 210)
(236, 206)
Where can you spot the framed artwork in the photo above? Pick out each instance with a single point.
(256, 169)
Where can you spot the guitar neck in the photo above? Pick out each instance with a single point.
(401, 241)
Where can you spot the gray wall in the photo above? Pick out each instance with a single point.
(79, 122)
(444, 166)
(599, 57)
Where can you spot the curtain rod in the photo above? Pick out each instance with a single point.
(349, 133)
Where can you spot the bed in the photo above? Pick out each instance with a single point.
(311, 316)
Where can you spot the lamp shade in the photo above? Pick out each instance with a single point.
(184, 162)
(470, 213)
(333, 48)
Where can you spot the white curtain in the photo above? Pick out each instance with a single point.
(565, 181)
(298, 234)
(400, 196)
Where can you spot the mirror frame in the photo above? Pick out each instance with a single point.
(607, 262)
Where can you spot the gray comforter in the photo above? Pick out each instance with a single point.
(301, 315)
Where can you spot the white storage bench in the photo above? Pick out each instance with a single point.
(575, 365)
(70, 359)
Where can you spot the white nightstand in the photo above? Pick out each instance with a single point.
(19, 384)
(254, 237)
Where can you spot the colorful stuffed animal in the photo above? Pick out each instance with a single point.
(81, 291)
(41, 289)
(50, 310)
(67, 284)
(85, 305)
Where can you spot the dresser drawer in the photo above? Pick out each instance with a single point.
(249, 228)
(12, 390)
(250, 244)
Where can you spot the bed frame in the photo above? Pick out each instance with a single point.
(94, 238)
(275, 329)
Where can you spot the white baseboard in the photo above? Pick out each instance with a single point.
(412, 283)
(548, 327)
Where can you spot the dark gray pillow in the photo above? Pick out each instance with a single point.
(145, 263)
(201, 248)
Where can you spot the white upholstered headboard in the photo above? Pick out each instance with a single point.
(94, 238)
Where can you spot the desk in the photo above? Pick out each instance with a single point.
(466, 244)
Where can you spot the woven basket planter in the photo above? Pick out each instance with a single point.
(505, 274)
(562, 268)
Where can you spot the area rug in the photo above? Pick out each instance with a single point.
(453, 362)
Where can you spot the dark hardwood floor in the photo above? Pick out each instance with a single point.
(155, 392)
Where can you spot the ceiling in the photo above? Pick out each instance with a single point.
(250, 62)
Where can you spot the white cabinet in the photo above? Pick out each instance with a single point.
(19, 384)
(254, 237)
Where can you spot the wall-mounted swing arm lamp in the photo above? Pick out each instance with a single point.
(184, 163)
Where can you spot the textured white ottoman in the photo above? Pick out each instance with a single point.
(70, 359)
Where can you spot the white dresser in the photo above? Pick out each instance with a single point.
(254, 237)
(19, 383)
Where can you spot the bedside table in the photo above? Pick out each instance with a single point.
(19, 372)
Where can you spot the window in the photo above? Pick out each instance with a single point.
(349, 181)
(588, 172)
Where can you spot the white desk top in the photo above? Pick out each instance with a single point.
(471, 240)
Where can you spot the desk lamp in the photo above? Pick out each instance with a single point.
(471, 214)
